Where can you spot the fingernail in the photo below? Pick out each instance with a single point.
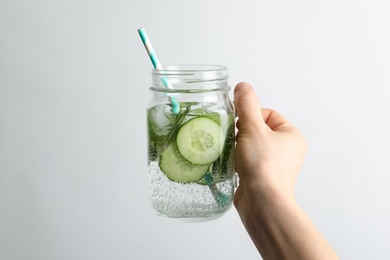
(241, 85)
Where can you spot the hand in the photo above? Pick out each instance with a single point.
(269, 152)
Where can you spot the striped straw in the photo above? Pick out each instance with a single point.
(149, 48)
(156, 64)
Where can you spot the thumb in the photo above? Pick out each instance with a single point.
(248, 107)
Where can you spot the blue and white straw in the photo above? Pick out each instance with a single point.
(156, 64)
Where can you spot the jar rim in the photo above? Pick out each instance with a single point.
(191, 77)
(189, 68)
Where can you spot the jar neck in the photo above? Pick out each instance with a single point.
(190, 78)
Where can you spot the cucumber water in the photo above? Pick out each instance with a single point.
(191, 160)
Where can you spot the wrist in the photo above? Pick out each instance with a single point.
(264, 201)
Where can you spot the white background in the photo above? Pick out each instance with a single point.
(74, 80)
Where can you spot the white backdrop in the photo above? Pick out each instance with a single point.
(74, 81)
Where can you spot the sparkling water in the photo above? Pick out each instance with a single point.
(204, 199)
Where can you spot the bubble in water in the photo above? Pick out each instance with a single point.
(155, 191)
(185, 201)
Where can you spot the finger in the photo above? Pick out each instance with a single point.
(274, 120)
(248, 106)
(238, 197)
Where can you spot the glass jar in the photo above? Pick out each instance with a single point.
(191, 139)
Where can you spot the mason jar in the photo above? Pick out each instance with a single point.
(191, 143)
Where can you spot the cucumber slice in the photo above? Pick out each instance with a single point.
(223, 167)
(200, 140)
(178, 169)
